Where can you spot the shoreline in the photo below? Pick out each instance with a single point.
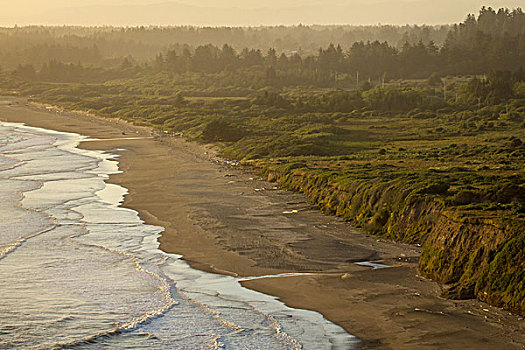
(201, 292)
(214, 216)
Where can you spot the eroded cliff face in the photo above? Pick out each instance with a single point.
(474, 255)
(478, 257)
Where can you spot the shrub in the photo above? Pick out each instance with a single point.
(506, 193)
(465, 197)
(434, 79)
(221, 130)
(438, 188)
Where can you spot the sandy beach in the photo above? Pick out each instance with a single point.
(224, 220)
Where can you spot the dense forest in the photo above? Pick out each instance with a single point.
(100, 46)
(493, 40)
(409, 136)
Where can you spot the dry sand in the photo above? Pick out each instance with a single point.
(224, 221)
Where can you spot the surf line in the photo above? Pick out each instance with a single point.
(10, 247)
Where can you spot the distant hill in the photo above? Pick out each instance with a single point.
(330, 12)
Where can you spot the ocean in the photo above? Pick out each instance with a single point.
(78, 271)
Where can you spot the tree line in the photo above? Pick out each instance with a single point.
(99, 45)
(493, 40)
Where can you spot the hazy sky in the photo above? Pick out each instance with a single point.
(132, 12)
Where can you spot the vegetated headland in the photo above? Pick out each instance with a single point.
(418, 136)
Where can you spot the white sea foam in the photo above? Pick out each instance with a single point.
(79, 271)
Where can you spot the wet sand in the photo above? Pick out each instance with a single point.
(223, 220)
